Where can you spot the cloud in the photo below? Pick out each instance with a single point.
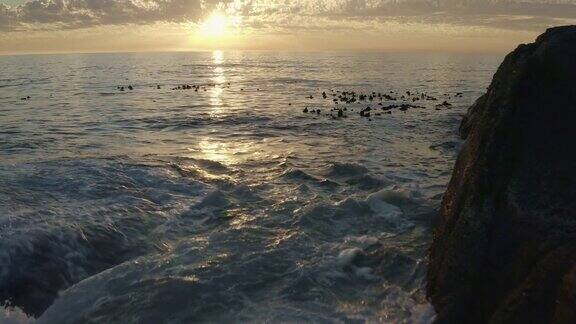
(6, 17)
(506, 14)
(287, 14)
(67, 14)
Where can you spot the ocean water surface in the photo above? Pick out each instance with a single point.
(224, 202)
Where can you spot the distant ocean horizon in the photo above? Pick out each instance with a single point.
(226, 185)
(350, 51)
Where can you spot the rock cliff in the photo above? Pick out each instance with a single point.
(504, 250)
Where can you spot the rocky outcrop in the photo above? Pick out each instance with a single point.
(504, 250)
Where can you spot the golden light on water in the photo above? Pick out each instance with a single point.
(219, 79)
(218, 57)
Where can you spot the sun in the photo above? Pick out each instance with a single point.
(215, 26)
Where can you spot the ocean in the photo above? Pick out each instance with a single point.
(206, 194)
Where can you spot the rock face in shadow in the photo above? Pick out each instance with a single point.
(504, 250)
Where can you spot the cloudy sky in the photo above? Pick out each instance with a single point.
(389, 25)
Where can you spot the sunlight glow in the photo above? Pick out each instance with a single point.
(215, 26)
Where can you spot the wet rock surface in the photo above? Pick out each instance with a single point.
(505, 246)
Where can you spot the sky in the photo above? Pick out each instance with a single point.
(476, 26)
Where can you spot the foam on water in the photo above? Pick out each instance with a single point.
(227, 204)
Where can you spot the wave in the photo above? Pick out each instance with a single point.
(297, 174)
(65, 221)
(450, 146)
(215, 199)
(207, 165)
(216, 271)
(338, 169)
(368, 182)
(182, 123)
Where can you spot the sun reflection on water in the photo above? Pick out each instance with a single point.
(216, 151)
(219, 80)
(218, 57)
